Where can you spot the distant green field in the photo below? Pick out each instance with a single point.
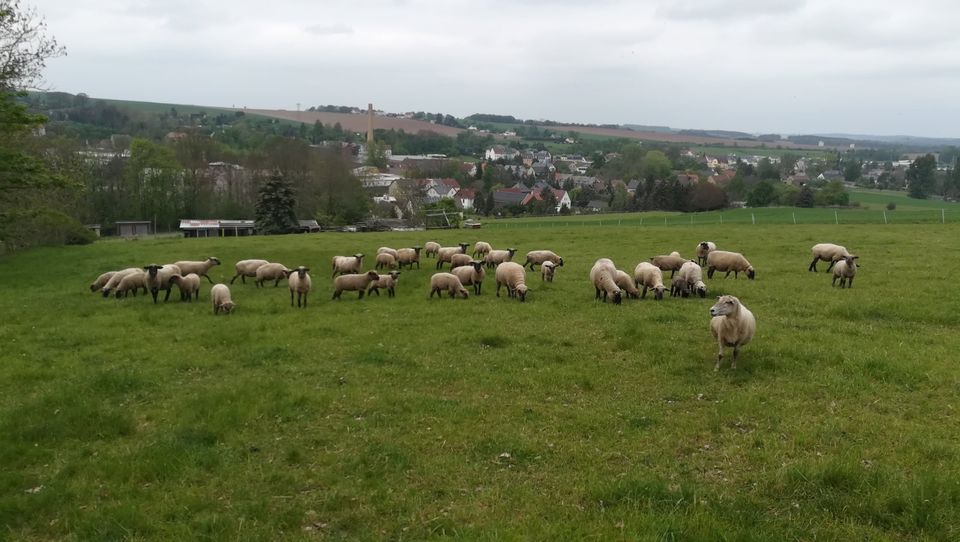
(485, 419)
(878, 199)
(770, 150)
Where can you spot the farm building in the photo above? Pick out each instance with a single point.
(216, 228)
(133, 228)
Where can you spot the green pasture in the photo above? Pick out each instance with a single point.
(743, 148)
(556, 419)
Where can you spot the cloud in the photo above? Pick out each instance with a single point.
(329, 30)
(713, 10)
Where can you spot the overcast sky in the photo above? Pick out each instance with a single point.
(786, 66)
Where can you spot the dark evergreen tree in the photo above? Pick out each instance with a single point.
(806, 198)
(274, 213)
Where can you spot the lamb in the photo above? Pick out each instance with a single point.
(271, 271)
(114, 281)
(385, 259)
(827, 252)
(299, 281)
(481, 249)
(460, 260)
(732, 325)
(132, 283)
(188, 284)
(703, 249)
(651, 277)
(388, 281)
(347, 265)
(471, 274)
(388, 250)
(247, 268)
(512, 276)
(602, 276)
(671, 262)
(679, 287)
(220, 294)
(721, 260)
(200, 268)
(845, 270)
(101, 281)
(445, 253)
(625, 282)
(158, 278)
(408, 257)
(448, 282)
(537, 257)
(691, 272)
(354, 282)
(547, 271)
(430, 247)
(497, 257)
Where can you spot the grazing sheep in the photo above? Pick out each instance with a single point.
(679, 287)
(189, 286)
(471, 274)
(354, 282)
(731, 262)
(625, 282)
(602, 276)
(732, 325)
(388, 250)
(220, 294)
(299, 281)
(845, 270)
(247, 268)
(497, 257)
(827, 252)
(537, 257)
(651, 277)
(481, 249)
(388, 281)
(116, 278)
(158, 278)
(691, 272)
(445, 253)
(347, 265)
(385, 259)
(271, 271)
(512, 276)
(448, 282)
(132, 283)
(101, 281)
(408, 257)
(670, 262)
(460, 260)
(547, 271)
(430, 247)
(200, 268)
(704, 248)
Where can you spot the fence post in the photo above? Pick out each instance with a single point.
(794, 219)
(619, 220)
(721, 218)
(664, 220)
(836, 217)
(691, 219)
(943, 216)
(753, 218)
(641, 220)
(884, 217)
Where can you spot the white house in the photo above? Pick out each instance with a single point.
(499, 151)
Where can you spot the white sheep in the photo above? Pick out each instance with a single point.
(385, 259)
(602, 276)
(445, 253)
(220, 294)
(430, 247)
(271, 271)
(200, 268)
(497, 257)
(732, 325)
(703, 249)
(650, 277)
(158, 278)
(101, 281)
(460, 260)
(188, 284)
(827, 252)
(731, 262)
(472, 274)
(679, 287)
(538, 257)
(449, 282)
(247, 268)
(513, 276)
(388, 250)
(408, 257)
(670, 262)
(547, 271)
(691, 272)
(845, 270)
(131, 283)
(387, 282)
(354, 282)
(299, 282)
(346, 265)
(481, 249)
(114, 281)
(625, 282)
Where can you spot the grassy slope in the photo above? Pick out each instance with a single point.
(391, 417)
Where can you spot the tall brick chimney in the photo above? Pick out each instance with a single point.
(369, 123)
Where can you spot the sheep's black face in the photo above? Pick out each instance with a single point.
(216, 261)
(751, 274)
(658, 294)
(561, 263)
(617, 298)
(152, 270)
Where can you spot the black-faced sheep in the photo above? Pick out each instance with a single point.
(845, 270)
(199, 268)
(101, 281)
(497, 257)
(651, 278)
(446, 253)
(732, 325)
(602, 276)
(447, 282)
(731, 262)
(538, 257)
(625, 282)
(387, 282)
(513, 276)
(670, 262)
(220, 295)
(679, 287)
(271, 271)
(299, 282)
(827, 252)
(354, 282)
(471, 274)
(158, 278)
(408, 257)
(691, 272)
(346, 265)
(114, 280)
(703, 249)
(247, 268)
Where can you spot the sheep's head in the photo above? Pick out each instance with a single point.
(560, 263)
(700, 288)
(93, 287)
(463, 248)
(417, 250)
(228, 306)
(617, 297)
(522, 292)
(214, 259)
(726, 304)
(175, 279)
(477, 265)
(358, 256)
(512, 251)
(302, 271)
(463, 291)
(658, 292)
(152, 269)
(372, 275)
(751, 274)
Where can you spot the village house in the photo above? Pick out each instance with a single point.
(498, 152)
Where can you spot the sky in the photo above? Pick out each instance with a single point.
(879, 67)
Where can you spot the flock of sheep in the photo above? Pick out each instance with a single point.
(732, 324)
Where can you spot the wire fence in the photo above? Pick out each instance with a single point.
(743, 216)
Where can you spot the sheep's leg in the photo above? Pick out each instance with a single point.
(373, 290)
(418, 265)
(210, 280)
(728, 274)
(167, 297)
(361, 293)
(243, 279)
(291, 298)
(276, 283)
(834, 283)
(719, 358)
(813, 264)
(154, 293)
(498, 288)
(736, 352)
(304, 300)
(710, 271)
(829, 267)
(673, 272)
(850, 283)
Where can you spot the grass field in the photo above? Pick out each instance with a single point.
(742, 148)
(559, 418)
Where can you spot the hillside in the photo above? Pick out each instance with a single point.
(354, 123)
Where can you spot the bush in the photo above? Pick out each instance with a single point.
(891, 206)
(38, 227)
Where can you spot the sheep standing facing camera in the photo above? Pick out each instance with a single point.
(703, 249)
(408, 257)
(845, 270)
(732, 325)
(299, 282)
(472, 274)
